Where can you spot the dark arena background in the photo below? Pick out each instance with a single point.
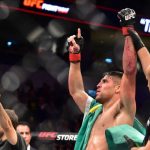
(34, 61)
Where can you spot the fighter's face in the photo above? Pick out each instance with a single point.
(25, 133)
(105, 89)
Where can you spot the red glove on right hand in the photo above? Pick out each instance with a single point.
(127, 19)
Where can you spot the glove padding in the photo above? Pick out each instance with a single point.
(79, 41)
(138, 43)
(126, 17)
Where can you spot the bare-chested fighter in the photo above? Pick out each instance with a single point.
(114, 104)
(144, 57)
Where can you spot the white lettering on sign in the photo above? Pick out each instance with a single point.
(55, 8)
(146, 23)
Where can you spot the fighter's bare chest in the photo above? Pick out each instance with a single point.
(106, 120)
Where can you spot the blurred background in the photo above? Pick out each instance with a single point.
(34, 60)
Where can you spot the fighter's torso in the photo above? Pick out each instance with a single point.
(114, 116)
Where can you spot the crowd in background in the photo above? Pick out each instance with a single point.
(48, 110)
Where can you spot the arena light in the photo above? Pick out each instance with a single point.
(92, 93)
(9, 43)
(108, 60)
(4, 11)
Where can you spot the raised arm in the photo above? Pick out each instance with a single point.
(128, 83)
(75, 81)
(142, 52)
(6, 125)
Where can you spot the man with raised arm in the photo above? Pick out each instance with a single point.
(9, 138)
(109, 116)
(144, 57)
(143, 54)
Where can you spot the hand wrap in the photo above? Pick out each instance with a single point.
(138, 43)
(75, 56)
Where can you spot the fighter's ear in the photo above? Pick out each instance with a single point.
(117, 89)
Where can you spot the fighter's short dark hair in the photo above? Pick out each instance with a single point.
(118, 74)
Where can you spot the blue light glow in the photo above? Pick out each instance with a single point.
(9, 43)
(108, 60)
